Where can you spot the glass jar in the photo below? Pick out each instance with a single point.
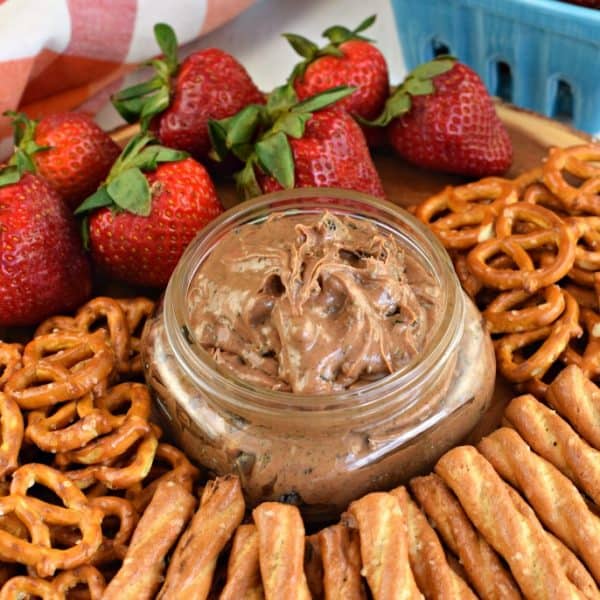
(321, 451)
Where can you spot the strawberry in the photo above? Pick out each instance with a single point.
(43, 268)
(349, 59)
(288, 144)
(442, 118)
(153, 203)
(180, 99)
(68, 149)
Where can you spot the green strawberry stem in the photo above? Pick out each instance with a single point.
(419, 82)
(337, 35)
(126, 187)
(258, 134)
(145, 100)
(25, 147)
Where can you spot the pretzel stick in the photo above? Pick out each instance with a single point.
(313, 565)
(521, 542)
(554, 498)
(583, 414)
(381, 523)
(571, 565)
(340, 550)
(482, 566)
(428, 561)
(553, 439)
(243, 573)
(160, 525)
(195, 558)
(281, 551)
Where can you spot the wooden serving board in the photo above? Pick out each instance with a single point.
(531, 134)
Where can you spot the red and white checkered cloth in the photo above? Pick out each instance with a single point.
(58, 55)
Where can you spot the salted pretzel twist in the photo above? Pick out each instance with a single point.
(73, 363)
(550, 230)
(38, 515)
(554, 340)
(502, 317)
(10, 361)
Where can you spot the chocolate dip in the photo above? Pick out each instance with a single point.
(382, 362)
(312, 304)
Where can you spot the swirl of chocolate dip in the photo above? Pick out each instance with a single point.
(312, 305)
(318, 355)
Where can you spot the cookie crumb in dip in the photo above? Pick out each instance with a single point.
(320, 350)
(312, 304)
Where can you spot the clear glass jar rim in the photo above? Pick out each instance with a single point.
(197, 363)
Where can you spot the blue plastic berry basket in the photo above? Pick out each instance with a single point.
(539, 54)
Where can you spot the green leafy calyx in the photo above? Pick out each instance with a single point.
(419, 82)
(143, 101)
(21, 160)
(336, 35)
(259, 134)
(126, 187)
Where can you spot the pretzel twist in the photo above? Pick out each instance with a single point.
(555, 499)
(10, 361)
(589, 360)
(177, 468)
(502, 317)
(78, 363)
(120, 474)
(37, 515)
(115, 548)
(554, 340)
(522, 542)
(549, 230)
(473, 208)
(127, 428)
(12, 434)
(72, 426)
(104, 308)
(577, 160)
(20, 587)
(23, 586)
(553, 439)
(137, 311)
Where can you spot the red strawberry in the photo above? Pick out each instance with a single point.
(209, 84)
(331, 153)
(442, 118)
(69, 150)
(140, 223)
(349, 59)
(288, 144)
(43, 268)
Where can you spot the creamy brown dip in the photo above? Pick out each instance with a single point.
(312, 304)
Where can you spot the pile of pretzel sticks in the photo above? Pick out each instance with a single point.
(527, 251)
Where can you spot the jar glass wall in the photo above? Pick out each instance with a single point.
(321, 451)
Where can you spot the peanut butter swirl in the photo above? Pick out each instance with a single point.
(312, 304)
